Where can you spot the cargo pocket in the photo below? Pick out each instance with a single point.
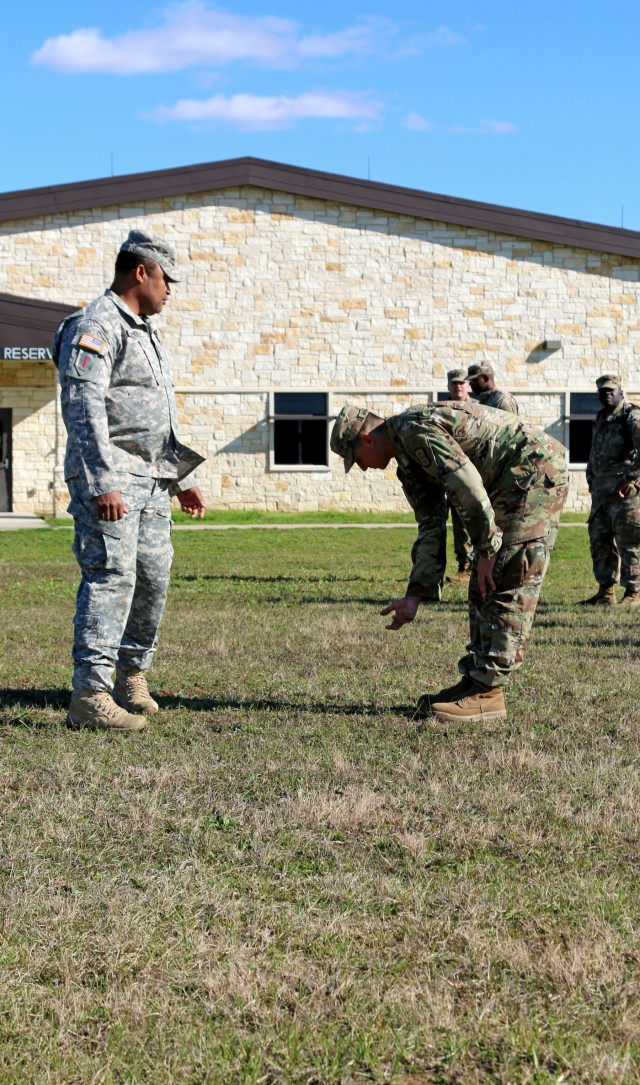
(113, 533)
(100, 546)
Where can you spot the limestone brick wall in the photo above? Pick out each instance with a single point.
(286, 293)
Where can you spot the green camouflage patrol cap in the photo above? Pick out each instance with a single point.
(152, 248)
(480, 369)
(346, 429)
(456, 376)
(608, 380)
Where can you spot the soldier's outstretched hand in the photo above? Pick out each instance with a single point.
(404, 610)
(192, 502)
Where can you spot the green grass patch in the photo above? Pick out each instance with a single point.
(287, 879)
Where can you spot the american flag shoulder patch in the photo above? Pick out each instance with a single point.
(91, 342)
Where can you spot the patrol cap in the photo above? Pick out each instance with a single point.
(457, 376)
(346, 429)
(152, 248)
(480, 369)
(609, 380)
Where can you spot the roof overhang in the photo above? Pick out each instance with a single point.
(256, 172)
(27, 326)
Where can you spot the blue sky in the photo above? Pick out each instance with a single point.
(529, 105)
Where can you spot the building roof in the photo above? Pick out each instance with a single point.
(28, 322)
(18, 312)
(257, 172)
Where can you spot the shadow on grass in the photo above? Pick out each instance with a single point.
(235, 577)
(272, 704)
(58, 699)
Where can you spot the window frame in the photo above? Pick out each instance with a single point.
(324, 468)
(573, 416)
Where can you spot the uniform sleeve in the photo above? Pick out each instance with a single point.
(85, 364)
(429, 552)
(633, 429)
(508, 403)
(443, 460)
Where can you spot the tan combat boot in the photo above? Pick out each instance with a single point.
(630, 598)
(131, 691)
(97, 708)
(450, 693)
(478, 703)
(462, 577)
(604, 597)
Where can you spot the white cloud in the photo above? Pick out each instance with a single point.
(443, 35)
(194, 35)
(485, 128)
(252, 112)
(417, 123)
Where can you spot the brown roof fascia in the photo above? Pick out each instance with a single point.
(32, 313)
(236, 172)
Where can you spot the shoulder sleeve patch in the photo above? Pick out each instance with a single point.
(91, 342)
(84, 365)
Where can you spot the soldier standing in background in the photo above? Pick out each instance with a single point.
(122, 463)
(483, 386)
(458, 388)
(613, 475)
(509, 482)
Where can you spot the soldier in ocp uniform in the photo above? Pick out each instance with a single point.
(481, 377)
(123, 462)
(509, 482)
(613, 475)
(458, 388)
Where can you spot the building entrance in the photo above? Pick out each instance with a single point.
(5, 460)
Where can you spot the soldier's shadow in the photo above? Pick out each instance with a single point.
(58, 700)
(274, 704)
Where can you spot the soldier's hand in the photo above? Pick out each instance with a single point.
(485, 574)
(192, 502)
(626, 489)
(403, 610)
(110, 506)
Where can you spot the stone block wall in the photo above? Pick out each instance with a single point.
(285, 293)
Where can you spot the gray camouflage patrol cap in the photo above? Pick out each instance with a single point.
(456, 376)
(480, 369)
(152, 248)
(346, 429)
(609, 380)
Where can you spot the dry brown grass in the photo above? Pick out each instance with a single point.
(288, 880)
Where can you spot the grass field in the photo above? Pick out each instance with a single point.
(287, 880)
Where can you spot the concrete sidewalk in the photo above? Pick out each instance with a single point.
(15, 521)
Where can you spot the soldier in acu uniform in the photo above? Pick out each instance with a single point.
(482, 380)
(123, 462)
(613, 475)
(509, 482)
(458, 388)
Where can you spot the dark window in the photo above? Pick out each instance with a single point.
(300, 429)
(583, 408)
(443, 395)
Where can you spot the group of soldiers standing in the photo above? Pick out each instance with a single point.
(613, 477)
(504, 480)
(480, 380)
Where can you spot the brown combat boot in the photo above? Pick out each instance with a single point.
(97, 708)
(463, 576)
(450, 693)
(604, 597)
(630, 598)
(131, 691)
(477, 704)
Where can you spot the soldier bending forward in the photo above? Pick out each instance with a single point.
(509, 482)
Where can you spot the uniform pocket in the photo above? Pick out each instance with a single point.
(99, 546)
